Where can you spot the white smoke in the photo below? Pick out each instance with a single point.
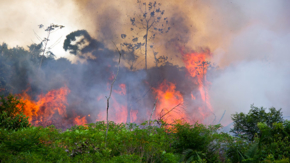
(255, 63)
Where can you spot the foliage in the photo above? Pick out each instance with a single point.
(196, 142)
(180, 142)
(261, 137)
(274, 141)
(245, 125)
(190, 155)
(11, 115)
(126, 143)
(32, 144)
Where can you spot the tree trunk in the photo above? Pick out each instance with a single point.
(44, 48)
(146, 38)
(128, 103)
(203, 75)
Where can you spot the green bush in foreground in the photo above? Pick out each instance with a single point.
(127, 143)
(11, 113)
(180, 142)
(245, 125)
(262, 136)
(130, 143)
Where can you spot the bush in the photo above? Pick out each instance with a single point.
(134, 143)
(196, 138)
(11, 113)
(39, 142)
(125, 159)
(270, 141)
(169, 158)
(245, 125)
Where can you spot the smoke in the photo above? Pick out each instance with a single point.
(254, 64)
(249, 41)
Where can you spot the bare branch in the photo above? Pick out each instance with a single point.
(170, 110)
(151, 24)
(49, 29)
(152, 111)
(222, 117)
(108, 98)
(47, 39)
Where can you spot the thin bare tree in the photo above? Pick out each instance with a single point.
(154, 107)
(108, 98)
(146, 25)
(49, 30)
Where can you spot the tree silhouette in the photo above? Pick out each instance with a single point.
(145, 26)
(49, 30)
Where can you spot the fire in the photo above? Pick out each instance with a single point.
(169, 100)
(133, 115)
(80, 121)
(197, 65)
(118, 111)
(193, 97)
(49, 108)
(119, 108)
(122, 90)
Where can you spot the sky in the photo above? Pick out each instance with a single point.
(249, 40)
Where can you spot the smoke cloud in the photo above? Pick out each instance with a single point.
(254, 63)
(248, 39)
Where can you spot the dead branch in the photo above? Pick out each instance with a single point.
(46, 41)
(222, 117)
(108, 98)
(152, 111)
(170, 111)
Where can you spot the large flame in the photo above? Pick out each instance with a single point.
(197, 66)
(49, 109)
(168, 104)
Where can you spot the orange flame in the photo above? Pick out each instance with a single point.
(133, 115)
(118, 111)
(168, 101)
(197, 65)
(49, 108)
(80, 121)
(122, 90)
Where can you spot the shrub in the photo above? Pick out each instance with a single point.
(11, 113)
(245, 125)
(32, 142)
(198, 139)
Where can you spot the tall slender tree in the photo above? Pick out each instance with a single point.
(49, 30)
(145, 26)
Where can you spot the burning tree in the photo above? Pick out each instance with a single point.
(146, 25)
(197, 66)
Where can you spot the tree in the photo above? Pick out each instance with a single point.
(49, 30)
(146, 25)
(108, 98)
(246, 125)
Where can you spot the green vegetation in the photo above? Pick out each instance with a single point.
(11, 113)
(181, 142)
(246, 125)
